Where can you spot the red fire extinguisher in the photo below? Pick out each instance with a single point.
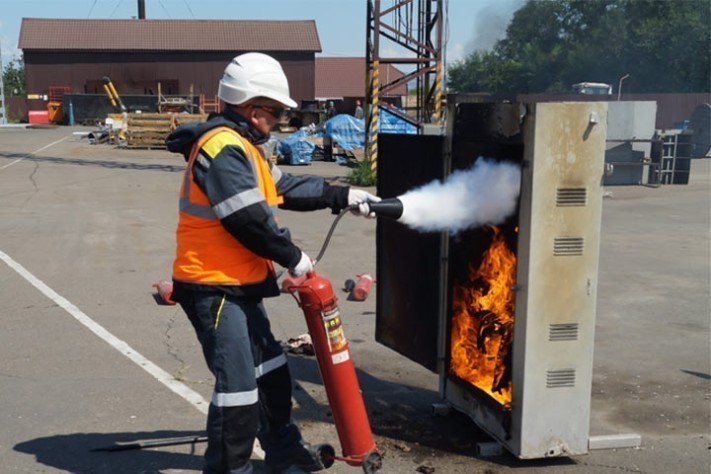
(290, 281)
(362, 287)
(318, 301)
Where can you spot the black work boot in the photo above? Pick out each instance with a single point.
(303, 458)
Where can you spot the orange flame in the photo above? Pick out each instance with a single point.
(482, 322)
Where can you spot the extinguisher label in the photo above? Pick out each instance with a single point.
(340, 357)
(335, 335)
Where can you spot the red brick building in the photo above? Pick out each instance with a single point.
(178, 54)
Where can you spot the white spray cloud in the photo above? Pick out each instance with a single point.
(486, 193)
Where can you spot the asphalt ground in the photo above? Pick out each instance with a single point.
(88, 358)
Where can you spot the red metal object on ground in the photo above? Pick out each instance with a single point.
(38, 116)
(362, 287)
(318, 301)
(165, 290)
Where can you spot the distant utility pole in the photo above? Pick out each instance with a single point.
(3, 114)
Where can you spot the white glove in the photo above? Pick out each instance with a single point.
(304, 266)
(360, 198)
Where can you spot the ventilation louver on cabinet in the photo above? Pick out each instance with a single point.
(560, 378)
(563, 246)
(571, 197)
(563, 332)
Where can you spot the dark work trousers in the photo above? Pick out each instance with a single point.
(252, 395)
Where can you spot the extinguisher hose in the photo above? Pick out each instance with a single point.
(325, 242)
(328, 236)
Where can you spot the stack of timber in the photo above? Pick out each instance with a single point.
(148, 130)
(182, 119)
(151, 130)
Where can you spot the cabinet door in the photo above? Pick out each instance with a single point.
(409, 263)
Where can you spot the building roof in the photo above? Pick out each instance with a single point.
(345, 77)
(168, 35)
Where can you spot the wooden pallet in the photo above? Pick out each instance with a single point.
(151, 130)
(148, 130)
(182, 119)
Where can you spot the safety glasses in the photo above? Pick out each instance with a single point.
(275, 112)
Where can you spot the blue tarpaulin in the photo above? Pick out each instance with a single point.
(344, 130)
(295, 149)
(391, 123)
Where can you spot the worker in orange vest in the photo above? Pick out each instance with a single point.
(227, 240)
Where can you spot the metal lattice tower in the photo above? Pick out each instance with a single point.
(416, 27)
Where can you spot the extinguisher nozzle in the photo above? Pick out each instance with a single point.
(391, 208)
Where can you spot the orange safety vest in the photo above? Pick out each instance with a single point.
(206, 252)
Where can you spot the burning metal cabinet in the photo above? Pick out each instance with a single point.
(505, 315)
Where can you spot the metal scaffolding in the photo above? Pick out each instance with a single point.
(416, 27)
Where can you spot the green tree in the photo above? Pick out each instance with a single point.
(13, 77)
(550, 45)
(484, 72)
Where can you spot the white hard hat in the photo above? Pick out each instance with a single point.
(253, 75)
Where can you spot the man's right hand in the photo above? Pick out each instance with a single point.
(358, 200)
(304, 266)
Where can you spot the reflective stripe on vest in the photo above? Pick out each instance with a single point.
(206, 252)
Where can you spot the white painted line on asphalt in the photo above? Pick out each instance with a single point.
(33, 152)
(159, 374)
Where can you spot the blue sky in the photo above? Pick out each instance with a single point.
(473, 24)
